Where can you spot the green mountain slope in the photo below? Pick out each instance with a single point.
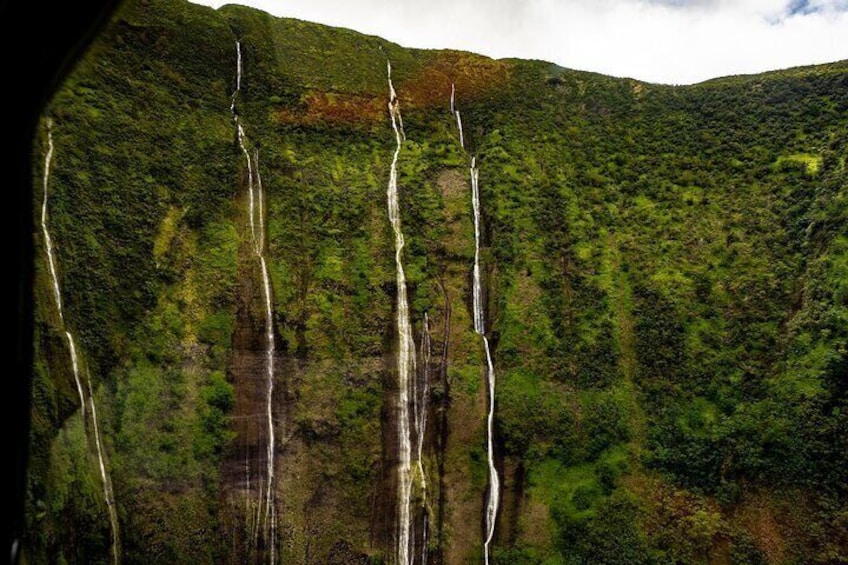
(665, 275)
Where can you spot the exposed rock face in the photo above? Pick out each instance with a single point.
(244, 469)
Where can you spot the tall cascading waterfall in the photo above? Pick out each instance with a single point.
(406, 349)
(270, 508)
(51, 264)
(256, 213)
(480, 327)
(105, 479)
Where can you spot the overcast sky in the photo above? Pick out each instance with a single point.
(667, 41)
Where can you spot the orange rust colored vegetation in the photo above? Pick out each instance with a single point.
(334, 108)
(473, 75)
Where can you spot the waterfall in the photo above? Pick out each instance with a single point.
(108, 493)
(270, 350)
(420, 401)
(260, 203)
(51, 264)
(419, 398)
(251, 213)
(494, 481)
(75, 363)
(455, 113)
(48, 243)
(238, 69)
(406, 345)
(477, 292)
(480, 328)
(72, 347)
(256, 212)
(394, 109)
(238, 79)
(269, 353)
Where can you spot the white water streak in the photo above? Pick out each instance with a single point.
(406, 346)
(270, 512)
(256, 211)
(51, 263)
(394, 107)
(455, 113)
(400, 123)
(75, 363)
(238, 66)
(72, 347)
(48, 243)
(480, 327)
(251, 206)
(269, 334)
(421, 405)
(494, 481)
(104, 476)
(260, 198)
(420, 402)
(477, 292)
(238, 79)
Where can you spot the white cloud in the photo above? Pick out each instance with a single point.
(668, 41)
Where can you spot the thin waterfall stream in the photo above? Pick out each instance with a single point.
(256, 212)
(493, 499)
(105, 479)
(420, 400)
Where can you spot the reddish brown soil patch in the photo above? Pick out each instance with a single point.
(473, 75)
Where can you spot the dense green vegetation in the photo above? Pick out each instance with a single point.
(666, 274)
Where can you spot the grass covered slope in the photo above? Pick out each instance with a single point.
(665, 274)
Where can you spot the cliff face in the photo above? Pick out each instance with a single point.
(663, 275)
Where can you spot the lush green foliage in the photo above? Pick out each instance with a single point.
(667, 291)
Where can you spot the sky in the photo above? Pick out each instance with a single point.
(664, 41)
